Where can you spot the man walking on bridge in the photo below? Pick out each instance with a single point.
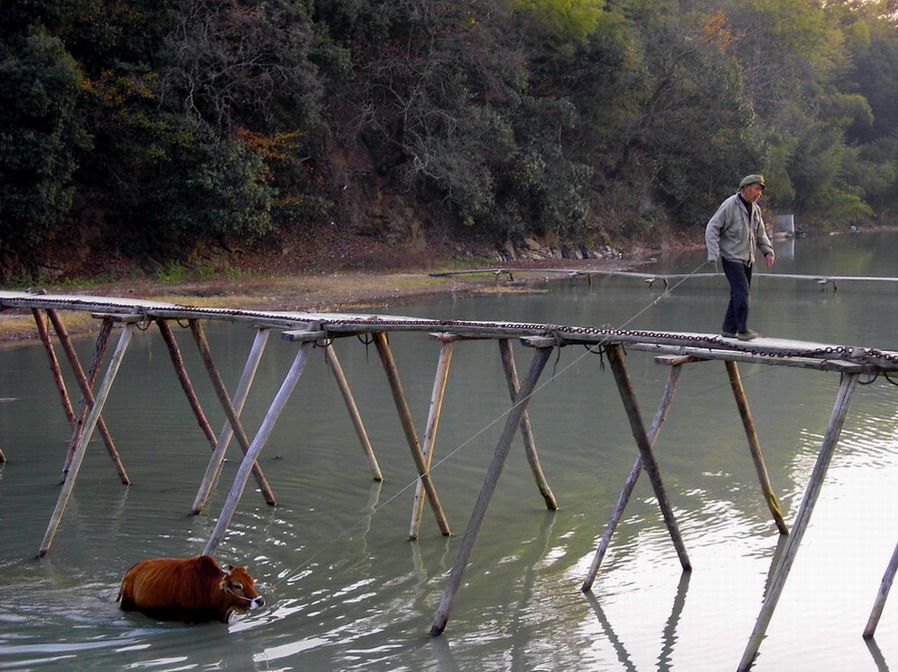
(732, 234)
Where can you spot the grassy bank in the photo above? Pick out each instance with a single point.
(314, 293)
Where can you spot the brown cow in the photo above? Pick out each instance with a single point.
(193, 590)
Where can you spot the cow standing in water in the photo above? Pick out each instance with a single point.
(193, 590)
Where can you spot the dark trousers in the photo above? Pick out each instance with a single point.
(739, 276)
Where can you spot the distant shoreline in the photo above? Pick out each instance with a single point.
(337, 291)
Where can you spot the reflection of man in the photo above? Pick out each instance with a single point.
(732, 234)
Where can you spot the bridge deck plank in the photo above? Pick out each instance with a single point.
(771, 350)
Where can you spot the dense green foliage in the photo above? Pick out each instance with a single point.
(177, 122)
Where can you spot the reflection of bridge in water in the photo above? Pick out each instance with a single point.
(306, 330)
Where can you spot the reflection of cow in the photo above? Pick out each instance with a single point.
(192, 590)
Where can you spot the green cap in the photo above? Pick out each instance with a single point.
(752, 179)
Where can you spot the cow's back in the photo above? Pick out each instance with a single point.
(174, 589)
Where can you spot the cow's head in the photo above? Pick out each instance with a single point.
(238, 585)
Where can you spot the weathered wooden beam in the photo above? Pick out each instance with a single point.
(40, 320)
(543, 341)
(491, 480)
(187, 386)
(213, 469)
(303, 335)
(880, 602)
(678, 360)
(177, 360)
(408, 427)
(511, 378)
(268, 319)
(774, 356)
(83, 407)
(812, 492)
(628, 397)
(670, 388)
(473, 331)
(333, 363)
(261, 438)
(754, 445)
(89, 426)
(437, 396)
(772, 359)
(199, 336)
(86, 391)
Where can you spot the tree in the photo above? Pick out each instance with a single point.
(41, 130)
(239, 63)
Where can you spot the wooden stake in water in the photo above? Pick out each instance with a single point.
(812, 492)
(177, 360)
(408, 426)
(881, 596)
(512, 422)
(83, 407)
(755, 446)
(433, 422)
(333, 363)
(86, 391)
(623, 498)
(89, 426)
(44, 333)
(259, 441)
(233, 416)
(628, 396)
(213, 469)
(511, 377)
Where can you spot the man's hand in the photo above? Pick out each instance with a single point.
(771, 259)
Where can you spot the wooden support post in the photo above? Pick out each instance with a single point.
(881, 596)
(430, 432)
(830, 441)
(755, 446)
(83, 406)
(625, 387)
(187, 386)
(512, 422)
(89, 426)
(673, 378)
(177, 361)
(408, 426)
(86, 391)
(213, 469)
(333, 363)
(233, 416)
(259, 441)
(511, 377)
(44, 333)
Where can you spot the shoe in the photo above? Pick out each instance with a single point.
(747, 335)
(728, 334)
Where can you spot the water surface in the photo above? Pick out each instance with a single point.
(345, 589)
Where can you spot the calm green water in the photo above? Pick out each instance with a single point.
(344, 587)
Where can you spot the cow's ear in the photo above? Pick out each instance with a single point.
(228, 568)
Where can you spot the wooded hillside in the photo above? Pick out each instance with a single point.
(159, 127)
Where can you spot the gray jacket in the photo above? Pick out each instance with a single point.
(731, 235)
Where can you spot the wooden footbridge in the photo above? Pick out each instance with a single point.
(308, 330)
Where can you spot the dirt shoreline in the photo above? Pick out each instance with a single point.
(322, 293)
